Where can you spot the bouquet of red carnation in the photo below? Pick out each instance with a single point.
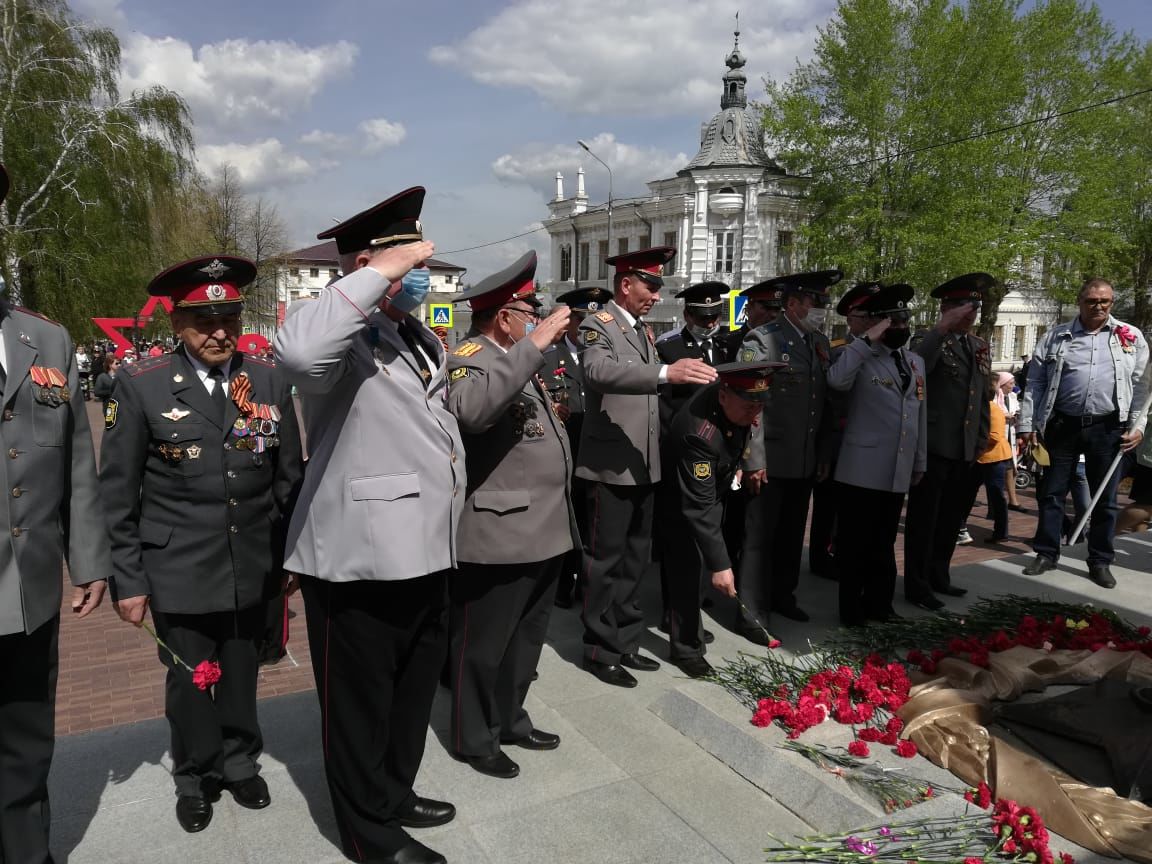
(206, 673)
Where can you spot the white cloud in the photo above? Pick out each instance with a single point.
(231, 84)
(104, 12)
(259, 164)
(374, 135)
(632, 167)
(380, 134)
(320, 138)
(650, 57)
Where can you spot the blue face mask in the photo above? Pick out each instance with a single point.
(529, 327)
(413, 289)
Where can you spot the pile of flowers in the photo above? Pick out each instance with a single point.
(892, 790)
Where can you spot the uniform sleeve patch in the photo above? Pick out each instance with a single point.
(606, 317)
(591, 336)
(702, 470)
(468, 349)
(747, 355)
(457, 374)
(111, 410)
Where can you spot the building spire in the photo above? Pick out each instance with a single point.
(735, 79)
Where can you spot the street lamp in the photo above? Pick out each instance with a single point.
(588, 150)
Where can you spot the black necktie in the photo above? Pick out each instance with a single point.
(902, 368)
(706, 349)
(642, 332)
(410, 340)
(218, 399)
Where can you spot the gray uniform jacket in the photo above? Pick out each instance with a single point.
(48, 472)
(620, 442)
(886, 432)
(384, 486)
(519, 503)
(794, 434)
(957, 367)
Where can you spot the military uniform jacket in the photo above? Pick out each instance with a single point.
(733, 339)
(707, 449)
(678, 346)
(620, 442)
(196, 506)
(564, 378)
(518, 507)
(885, 434)
(47, 475)
(384, 489)
(958, 368)
(794, 434)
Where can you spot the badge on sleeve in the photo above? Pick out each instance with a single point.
(457, 374)
(591, 336)
(110, 411)
(702, 470)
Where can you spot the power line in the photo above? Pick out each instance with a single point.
(976, 136)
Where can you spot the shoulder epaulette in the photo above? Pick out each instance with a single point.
(770, 327)
(606, 317)
(707, 430)
(259, 361)
(34, 314)
(838, 343)
(467, 349)
(147, 365)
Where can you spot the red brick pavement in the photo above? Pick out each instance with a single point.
(110, 674)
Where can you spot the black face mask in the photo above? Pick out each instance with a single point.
(896, 337)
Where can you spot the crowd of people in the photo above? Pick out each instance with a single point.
(452, 498)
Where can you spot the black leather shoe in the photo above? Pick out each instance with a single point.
(756, 636)
(494, 766)
(694, 667)
(611, 673)
(537, 739)
(639, 663)
(793, 613)
(251, 793)
(1142, 696)
(415, 853)
(950, 590)
(1040, 565)
(1101, 575)
(426, 813)
(927, 601)
(193, 812)
(709, 637)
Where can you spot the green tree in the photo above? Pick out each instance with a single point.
(88, 165)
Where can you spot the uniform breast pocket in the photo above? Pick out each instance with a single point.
(48, 424)
(501, 502)
(385, 487)
(180, 447)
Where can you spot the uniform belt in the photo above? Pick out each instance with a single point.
(1089, 419)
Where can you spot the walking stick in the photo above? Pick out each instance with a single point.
(1136, 422)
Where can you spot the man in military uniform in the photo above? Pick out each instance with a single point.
(788, 451)
(518, 522)
(53, 512)
(620, 454)
(200, 464)
(884, 450)
(374, 531)
(821, 560)
(564, 377)
(957, 367)
(706, 442)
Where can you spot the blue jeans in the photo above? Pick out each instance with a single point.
(1065, 438)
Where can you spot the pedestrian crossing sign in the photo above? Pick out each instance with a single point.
(736, 316)
(440, 314)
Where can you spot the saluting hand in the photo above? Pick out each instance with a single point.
(392, 263)
(691, 371)
(85, 598)
(551, 330)
(132, 609)
(951, 319)
(877, 330)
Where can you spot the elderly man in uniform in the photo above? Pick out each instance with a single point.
(957, 366)
(374, 531)
(53, 511)
(788, 452)
(620, 454)
(199, 466)
(706, 443)
(564, 378)
(518, 523)
(1086, 385)
(884, 450)
(821, 532)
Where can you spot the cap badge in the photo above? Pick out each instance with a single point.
(593, 306)
(175, 414)
(214, 270)
(216, 292)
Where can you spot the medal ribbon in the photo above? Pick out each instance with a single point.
(240, 389)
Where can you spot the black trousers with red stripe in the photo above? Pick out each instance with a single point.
(498, 619)
(377, 649)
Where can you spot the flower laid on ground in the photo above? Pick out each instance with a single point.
(1010, 832)
(981, 796)
(206, 673)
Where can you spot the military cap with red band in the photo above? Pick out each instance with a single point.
(856, 295)
(648, 264)
(389, 223)
(970, 286)
(749, 380)
(515, 282)
(4, 183)
(209, 285)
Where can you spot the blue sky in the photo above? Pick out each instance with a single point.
(328, 108)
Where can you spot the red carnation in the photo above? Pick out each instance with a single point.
(206, 674)
(773, 643)
(859, 748)
(895, 724)
(906, 748)
(869, 733)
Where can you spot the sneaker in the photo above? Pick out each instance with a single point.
(963, 538)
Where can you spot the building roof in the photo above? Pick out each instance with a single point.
(734, 138)
(325, 253)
